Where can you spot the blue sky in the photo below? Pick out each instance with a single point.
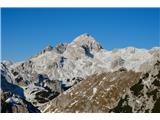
(26, 31)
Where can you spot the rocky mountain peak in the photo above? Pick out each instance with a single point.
(60, 48)
(86, 40)
(84, 37)
(48, 48)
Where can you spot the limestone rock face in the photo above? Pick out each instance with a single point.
(74, 52)
(48, 48)
(155, 52)
(61, 48)
(117, 62)
(85, 40)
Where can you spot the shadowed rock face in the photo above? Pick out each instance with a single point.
(12, 96)
(7, 82)
(12, 103)
(6, 86)
(43, 89)
(144, 96)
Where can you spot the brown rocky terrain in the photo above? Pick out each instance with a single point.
(97, 93)
(144, 96)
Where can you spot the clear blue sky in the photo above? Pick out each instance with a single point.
(27, 31)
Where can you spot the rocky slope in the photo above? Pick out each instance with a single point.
(144, 96)
(97, 93)
(55, 70)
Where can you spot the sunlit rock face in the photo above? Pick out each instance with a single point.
(55, 70)
(87, 42)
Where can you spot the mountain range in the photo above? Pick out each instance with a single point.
(82, 76)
